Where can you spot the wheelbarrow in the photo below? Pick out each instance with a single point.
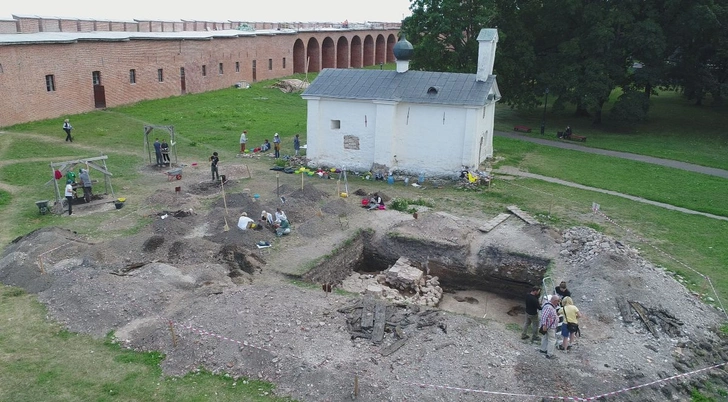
(174, 174)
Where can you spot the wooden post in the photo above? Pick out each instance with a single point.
(174, 336)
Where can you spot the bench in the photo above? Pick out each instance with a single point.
(524, 129)
(572, 137)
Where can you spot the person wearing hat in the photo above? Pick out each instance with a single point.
(69, 196)
(277, 145)
(244, 222)
(266, 218)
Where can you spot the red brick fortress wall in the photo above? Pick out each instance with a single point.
(72, 60)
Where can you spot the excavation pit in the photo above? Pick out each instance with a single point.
(489, 281)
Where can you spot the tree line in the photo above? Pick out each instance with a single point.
(580, 51)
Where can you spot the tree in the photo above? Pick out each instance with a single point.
(444, 33)
(699, 64)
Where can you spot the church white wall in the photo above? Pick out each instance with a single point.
(430, 139)
(352, 144)
(408, 138)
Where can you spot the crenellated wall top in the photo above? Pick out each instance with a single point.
(31, 24)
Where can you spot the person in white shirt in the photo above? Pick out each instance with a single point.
(243, 141)
(266, 218)
(244, 222)
(69, 196)
(280, 216)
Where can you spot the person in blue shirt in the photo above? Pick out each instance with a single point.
(158, 151)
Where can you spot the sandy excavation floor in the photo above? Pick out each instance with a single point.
(254, 322)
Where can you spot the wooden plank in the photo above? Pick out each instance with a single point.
(380, 319)
(623, 307)
(76, 161)
(643, 316)
(367, 313)
(393, 347)
(523, 215)
(491, 224)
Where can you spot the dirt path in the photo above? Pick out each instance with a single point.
(617, 154)
(513, 171)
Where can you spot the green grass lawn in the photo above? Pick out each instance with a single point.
(658, 183)
(675, 129)
(42, 362)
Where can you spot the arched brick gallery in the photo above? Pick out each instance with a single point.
(342, 53)
(356, 52)
(313, 56)
(381, 47)
(368, 51)
(391, 40)
(299, 57)
(328, 53)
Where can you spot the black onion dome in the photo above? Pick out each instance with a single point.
(403, 50)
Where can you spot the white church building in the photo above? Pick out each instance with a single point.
(410, 122)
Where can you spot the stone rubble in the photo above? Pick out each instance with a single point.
(401, 283)
(583, 244)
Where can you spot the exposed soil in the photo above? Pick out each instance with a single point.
(208, 297)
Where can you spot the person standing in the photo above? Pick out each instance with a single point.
(243, 141)
(67, 127)
(571, 323)
(69, 196)
(86, 181)
(549, 320)
(277, 145)
(213, 166)
(532, 307)
(296, 144)
(158, 151)
(165, 152)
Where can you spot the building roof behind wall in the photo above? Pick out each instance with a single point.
(113, 36)
(412, 86)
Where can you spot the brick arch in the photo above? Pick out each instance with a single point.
(342, 53)
(328, 53)
(391, 40)
(313, 56)
(356, 52)
(299, 57)
(368, 51)
(380, 55)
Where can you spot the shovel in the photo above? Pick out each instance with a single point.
(222, 185)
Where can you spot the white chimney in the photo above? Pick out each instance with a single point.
(487, 41)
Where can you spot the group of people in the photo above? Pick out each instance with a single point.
(161, 150)
(278, 223)
(70, 191)
(559, 316)
(266, 146)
